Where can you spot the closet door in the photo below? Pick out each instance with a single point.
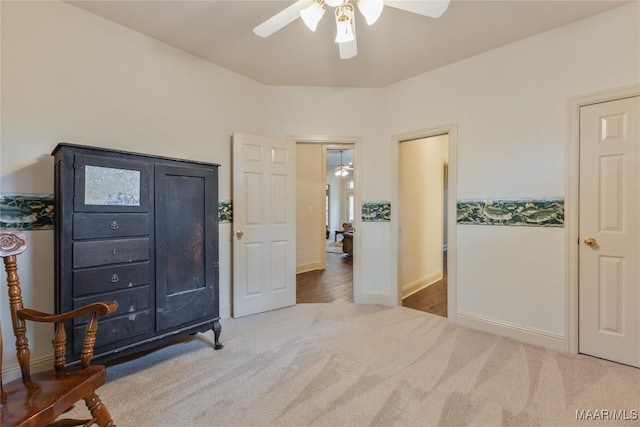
(185, 204)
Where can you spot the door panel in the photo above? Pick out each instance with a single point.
(263, 224)
(609, 271)
(185, 230)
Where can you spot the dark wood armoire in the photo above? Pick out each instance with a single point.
(140, 230)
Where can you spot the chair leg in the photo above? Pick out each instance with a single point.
(99, 411)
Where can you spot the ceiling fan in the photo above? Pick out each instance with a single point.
(311, 11)
(342, 169)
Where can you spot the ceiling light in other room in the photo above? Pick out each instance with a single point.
(341, 169)
(312, 14)
(370, 9)
(344, 22)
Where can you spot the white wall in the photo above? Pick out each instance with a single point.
(68, 75)
(310, 234)
(510, 105)
(420, 237)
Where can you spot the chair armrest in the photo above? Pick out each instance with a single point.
(96, 310)
(101, 308)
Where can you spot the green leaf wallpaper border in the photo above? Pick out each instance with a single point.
(376, 211)
(30, 211)
(26, 211)
(225, 211)
(544, 212)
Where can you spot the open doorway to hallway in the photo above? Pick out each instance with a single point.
(326, 203)
(422, 213)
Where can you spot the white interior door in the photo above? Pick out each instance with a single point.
(609, 272)
(264, 224)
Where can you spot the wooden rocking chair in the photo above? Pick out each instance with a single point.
(40, 399)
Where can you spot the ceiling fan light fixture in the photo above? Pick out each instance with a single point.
(344, 24)
(342, 172)
(370, 9)
(341, 169)
(312, 14)
(333, 3)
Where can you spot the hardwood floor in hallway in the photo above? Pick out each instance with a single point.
(432, 299)
(335, 284)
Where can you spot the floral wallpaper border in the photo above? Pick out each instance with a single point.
(26, 211)
(29, 211)
(376, 211)
(545, 212)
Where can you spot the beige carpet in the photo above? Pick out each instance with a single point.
(355, 365)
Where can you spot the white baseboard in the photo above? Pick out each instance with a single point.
(37, 365)
(303, 268)
(225, 312)
(520, 333)
(375, 299)
(420, 284)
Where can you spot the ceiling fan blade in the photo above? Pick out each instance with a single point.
(349, 49)
(281, 19)
(430, 8)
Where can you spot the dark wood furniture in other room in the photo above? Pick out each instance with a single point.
(39, 399)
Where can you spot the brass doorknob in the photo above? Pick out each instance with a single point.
(239, 233)
(590, 241)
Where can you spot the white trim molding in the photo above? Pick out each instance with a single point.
(375, 298)
(39, 364)
(571, 204)
(312, 266)
(509, 330)
(420, 284)
(356, 142)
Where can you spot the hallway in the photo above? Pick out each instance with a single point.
(335, 284)
(432, 299)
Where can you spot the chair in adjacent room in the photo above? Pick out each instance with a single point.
(39, 399)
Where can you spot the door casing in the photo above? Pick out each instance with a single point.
(572, 168)
(356, 144)
(452, 131)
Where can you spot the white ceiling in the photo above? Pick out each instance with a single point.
(400, 45)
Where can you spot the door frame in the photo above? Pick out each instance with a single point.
(571, 204)
(452, 194)
(355, 143)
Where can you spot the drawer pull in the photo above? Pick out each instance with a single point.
(114, 252)
(115, 278)
(114, 225)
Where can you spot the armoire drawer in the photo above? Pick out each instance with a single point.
(103, 252)
(99, 226)
(114, 329)
(128, 300)
(104, 279)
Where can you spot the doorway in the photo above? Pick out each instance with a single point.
(422, 211)
(326, 218)
(450, 166)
